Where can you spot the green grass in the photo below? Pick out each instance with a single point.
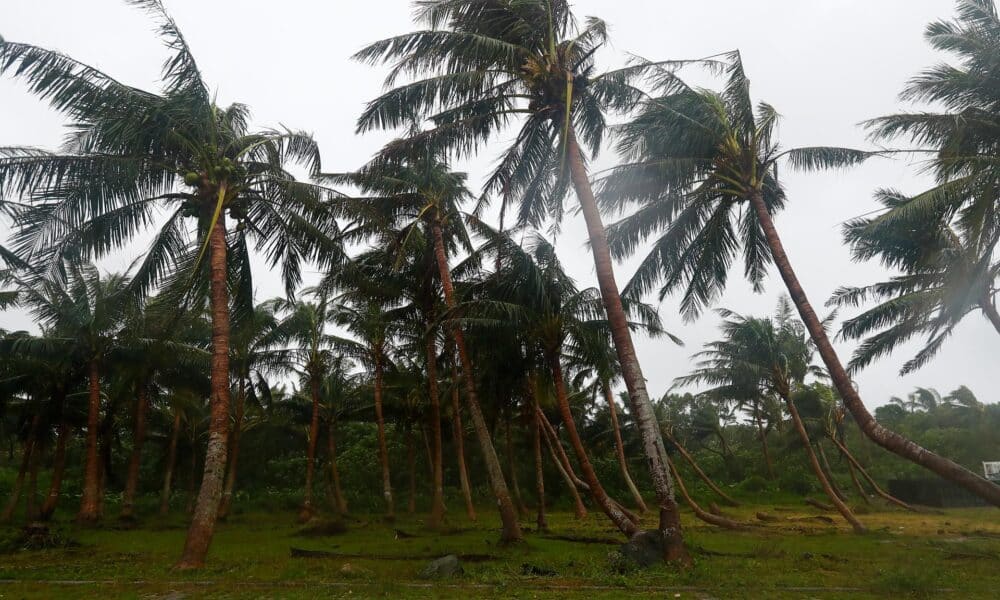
(955, 554)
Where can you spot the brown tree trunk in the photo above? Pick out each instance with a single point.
(875, 486)
(31, 504)
(90, 502)
(717, 520)
(635, 382)
(58, 470)
(562, 464)
(331, 444)
(814, 463)
(383, 451)
(561, 455)
(610, 508)
(829, 472)
(697, 469)
(226, 504)
(511, 531)
(857, 483)
(458, 433)
(206, 510)
(29, 450)
(135, 459)
(762, 433)
(511, 466)
(882, 436)
(620, 448)
(541, 522)
(307, 501)
(168, 472)
(436, 517)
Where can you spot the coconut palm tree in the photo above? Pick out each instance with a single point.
(488, 64)
(774, 356)
(702, 165)
(132, 152)
(945, 276)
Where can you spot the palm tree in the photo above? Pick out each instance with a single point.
(774, 356)
(695, 159)
(489, 63)
(133, 151)
(945, 276)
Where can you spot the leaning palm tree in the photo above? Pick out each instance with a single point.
(133, 152)
(489, 64)
(945, 275)
(702, 165)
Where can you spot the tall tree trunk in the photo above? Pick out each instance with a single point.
(511, 465)
(879, 434)
(436, 517)
(814, 463)
(562, 464)
(331, 446)
(168, 471)
(717, 520)
(857, 483)
(610, 508)
(411, 469)
(762, 434)
(235, 435)
(541, 522)
(697, 469)
(206, 509)
(90, 502)
(135, 459)
(383, 451)
(31, 505)
(458, 433)
(829, 472)
(635, 382)
(620, 448)
(307, 501)
(29, 450)
(58, 470)
(511, 529)
(875, 486)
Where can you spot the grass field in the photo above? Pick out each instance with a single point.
(951, 554)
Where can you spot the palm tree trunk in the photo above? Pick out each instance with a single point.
(610, 508)
(829, 472)
(168, 471)
(620, 448)
(206, 509)
(635, 382)
(307, 502)
(990, 310)
(58, 470)
(717, 520)
(697, 469)
(857, 483)
(331, 446)
(383, 451)
(541, 521)
(511, 531)
(226, 504)
(562, 463)
(436, 517)
(135, 459)
(29, 450)
(458, 433)
(411, 468)
(762, 433)
(515, 489)
(875, 486)
(882, 436)
(90, 502)
(31, 503)
(814, 463)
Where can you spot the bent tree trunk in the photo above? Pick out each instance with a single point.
(814, 463)
(437, 478)
(90, 502)
(699, 512)
(307, 501)
(511, 531)
(562, 463)
(458, 433)
(829, 472)
(610, 508)
(58, 470)
(206, 508)
(875, 486)
(620, 448)
(226, 504)
(541, 522)
(641, 407)
(511, 465)
(29, 450)
(697, 469)
(168, 471)
(383, 452)
(876, 432)
(762, 434)
(135, 459)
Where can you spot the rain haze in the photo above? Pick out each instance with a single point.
(826, 66)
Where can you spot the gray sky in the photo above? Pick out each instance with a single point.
(825, 65)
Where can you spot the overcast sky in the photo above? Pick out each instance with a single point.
(825, 65)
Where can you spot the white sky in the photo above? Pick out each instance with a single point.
(826, 65)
